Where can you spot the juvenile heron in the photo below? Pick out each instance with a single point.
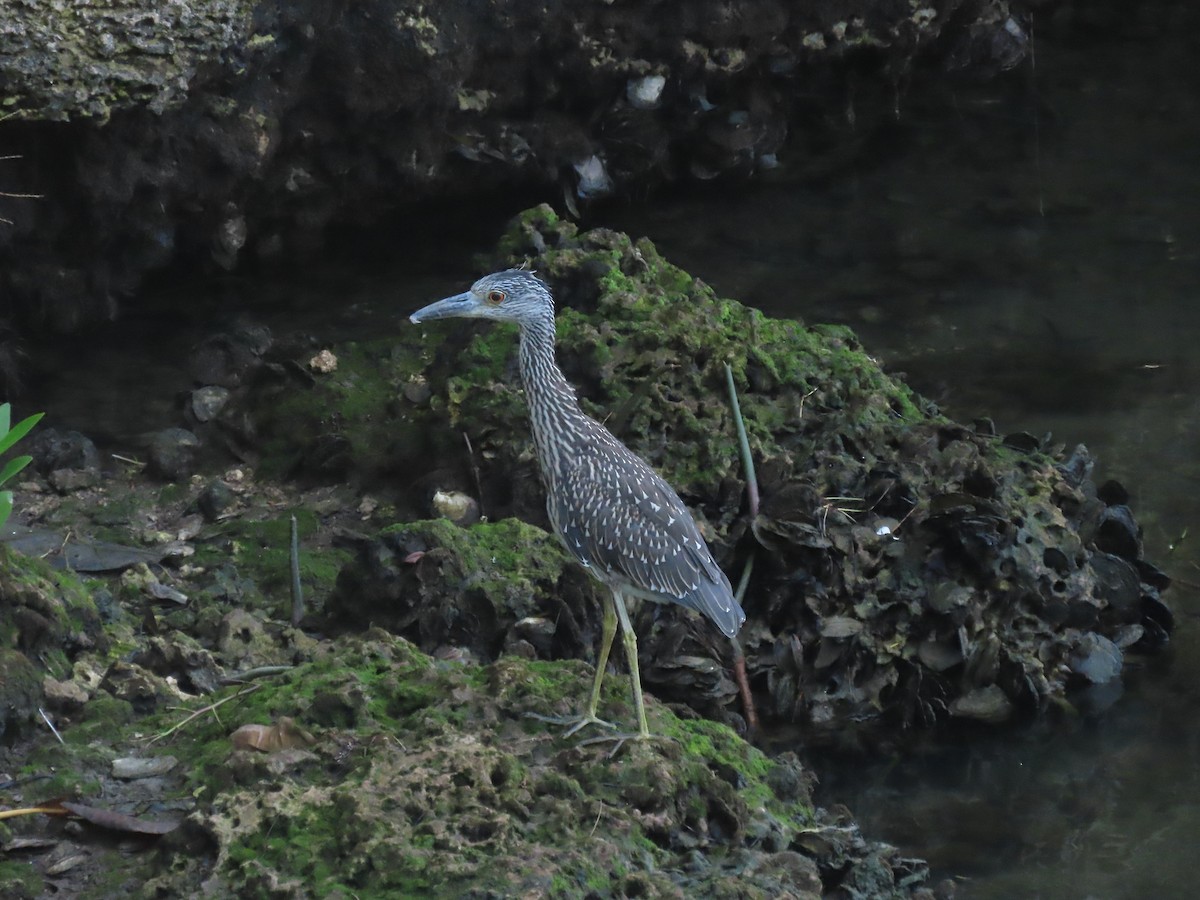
(612, 512)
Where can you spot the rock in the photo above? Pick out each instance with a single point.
(442, 585)
(416, 390)
(63, 696)
(459, 508)
(53, 449)
(65, 481)
(593, 180)
(69, 459)
(173, 453)
(193, 668)
(143, 690)
(455, 761)
(1119, 534)
(185, 114)
(227, 359)
(43, 611)
(243, 642)
(207, 402)
(644, 93)
(133, 767)
(324, 363)
(215, 500)
(20, 692)
(986, 704)
(1096, 659)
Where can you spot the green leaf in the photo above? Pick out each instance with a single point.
(5, 413)
(13, 466)
(19, 430)
(5, 506)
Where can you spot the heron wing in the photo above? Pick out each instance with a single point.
(618, 516)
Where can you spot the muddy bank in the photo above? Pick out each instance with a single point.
(228, 134)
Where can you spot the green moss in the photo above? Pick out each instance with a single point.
(508, 562)
(261, 552)
(650, 358)
(20, 879)
(354, 420)
(58, 597)
(429, 781)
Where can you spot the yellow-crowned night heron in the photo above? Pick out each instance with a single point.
(610, 509)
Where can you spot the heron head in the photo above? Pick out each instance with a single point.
(514, 295)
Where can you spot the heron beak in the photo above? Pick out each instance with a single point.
(463, 304)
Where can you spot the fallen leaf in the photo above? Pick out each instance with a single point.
(284, 734)
(115, 821)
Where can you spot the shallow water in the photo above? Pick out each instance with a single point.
(1026, 250)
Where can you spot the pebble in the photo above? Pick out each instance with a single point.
(131, 767)
(173, 453)
(207, 402)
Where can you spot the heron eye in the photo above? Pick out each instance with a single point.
(495, 296)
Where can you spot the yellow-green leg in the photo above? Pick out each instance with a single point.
(608, 630)
(629, 638)
(575, 723)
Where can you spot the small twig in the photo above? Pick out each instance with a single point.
(257, 672)
(804, 397)
(33, 810)
(209, 708)
(739, 658)
(744, 445)
(128, 460)
(46, 719)
(596, 824)
(297, 588)
(475, 475)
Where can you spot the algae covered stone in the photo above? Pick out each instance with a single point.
(426, 778)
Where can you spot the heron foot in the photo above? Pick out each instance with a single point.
(573, 723)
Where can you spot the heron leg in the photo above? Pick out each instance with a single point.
(608, 631)
(575, 723)
(629, 638)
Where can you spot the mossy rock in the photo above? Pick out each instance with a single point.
(924, 566)
(44, 609)
(429, 779)
(20, 691)
(45, 615)
(354, 423)
(249, 561)
(482, 588)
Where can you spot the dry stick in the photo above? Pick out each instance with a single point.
(739, 658)
(475, 474)
(297, 590)
(249, 674)
(210, 708)
(46, 718)
(33, 810)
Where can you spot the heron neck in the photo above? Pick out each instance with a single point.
(554, 411)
